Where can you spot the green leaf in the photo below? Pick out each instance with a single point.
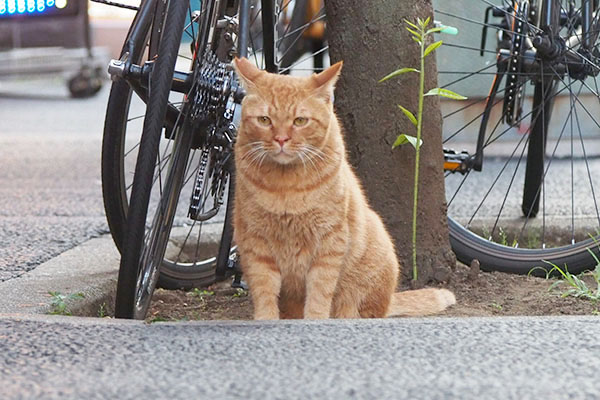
(409, 115)
(398, 72)
(427, 21)
(434, 30)
(445, 93)
(417, 34)
(403, 139)
(416, 39)
(432, 47)
(411, 24)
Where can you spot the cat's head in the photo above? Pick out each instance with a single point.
(285, 119)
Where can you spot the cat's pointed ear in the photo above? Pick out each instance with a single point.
(247, 72)
(324, 82)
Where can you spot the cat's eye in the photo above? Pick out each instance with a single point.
(264, 120)
(300, 121)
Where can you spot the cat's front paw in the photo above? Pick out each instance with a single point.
(316, 315)
(261, 316)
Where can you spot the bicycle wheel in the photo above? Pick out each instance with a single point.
(533, 200)
(195, 246)
(143, 249)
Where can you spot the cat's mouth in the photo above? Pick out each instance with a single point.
(283, 155)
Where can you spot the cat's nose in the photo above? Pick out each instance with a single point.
(281, 140)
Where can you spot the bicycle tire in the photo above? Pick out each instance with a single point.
(128, 305)
(494, 257)
(114, 193)
(115, 207)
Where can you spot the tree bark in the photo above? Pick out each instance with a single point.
(371, 39)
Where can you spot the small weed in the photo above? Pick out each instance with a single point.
(496, 306)
(575, 284)
(158, 319)
(59, 302)
(102, 310)
(200, 293)
(240, 293)
(503, 237)
(533, 239)
(419, 32)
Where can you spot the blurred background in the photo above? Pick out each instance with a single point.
(53, 94)
(70, 39)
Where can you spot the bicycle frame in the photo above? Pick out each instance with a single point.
(546, 45)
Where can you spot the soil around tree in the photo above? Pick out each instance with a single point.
(477, 293)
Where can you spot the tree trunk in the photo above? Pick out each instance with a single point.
(371, 39)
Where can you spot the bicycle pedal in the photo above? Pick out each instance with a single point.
(456, 162)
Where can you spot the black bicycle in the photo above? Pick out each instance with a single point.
(167, 163)
(173, 109)
(525, 192)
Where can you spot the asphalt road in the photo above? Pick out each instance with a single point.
(50, 191)
(438, 358)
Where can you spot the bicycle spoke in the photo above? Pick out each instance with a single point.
(512, 179)
(471, 74)
(304, 59)
(291, 45)
(287, 34)
(437, 11)
(587, 166)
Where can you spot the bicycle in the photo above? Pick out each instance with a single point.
(551, 44)
(204, 101)
(174, 83)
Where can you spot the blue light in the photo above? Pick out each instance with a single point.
(50, 3)
(11, 7)
(21, 6)
(40, 5)
(30, 6)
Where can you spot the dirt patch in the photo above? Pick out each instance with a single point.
(477, 294)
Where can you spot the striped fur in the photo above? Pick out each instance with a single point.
(310, 245)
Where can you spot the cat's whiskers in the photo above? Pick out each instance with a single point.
(310, 155)
(256, 147)
(255, 155)
(263, 156)
(318, 153)
(301, 156)
(316, 156)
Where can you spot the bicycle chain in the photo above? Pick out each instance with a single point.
(212, 113)
(212, 91)
(194, 210)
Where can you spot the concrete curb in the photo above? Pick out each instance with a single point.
(90, 268)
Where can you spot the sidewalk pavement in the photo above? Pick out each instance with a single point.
(56, 357)
(90, 268)
(404, 358)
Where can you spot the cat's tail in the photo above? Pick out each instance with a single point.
(414, 303)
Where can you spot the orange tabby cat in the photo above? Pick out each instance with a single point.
(310, 245)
